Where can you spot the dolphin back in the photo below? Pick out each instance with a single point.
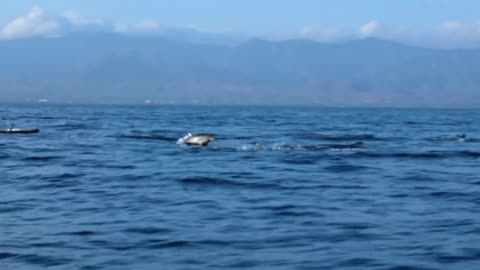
(196, 139)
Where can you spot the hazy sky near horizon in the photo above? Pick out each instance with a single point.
(454, 20)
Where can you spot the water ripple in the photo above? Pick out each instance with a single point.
(107, 187)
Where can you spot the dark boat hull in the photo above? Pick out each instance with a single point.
(19, 131)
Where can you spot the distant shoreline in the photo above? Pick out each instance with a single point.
(312, 106)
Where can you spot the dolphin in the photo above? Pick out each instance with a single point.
(196, 139)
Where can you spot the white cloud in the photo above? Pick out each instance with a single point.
(448, 34)
(34, 23)
(146, 26)
(451, 26)
(75, 18)
(323, 34)
(456, 32)
(369, 28)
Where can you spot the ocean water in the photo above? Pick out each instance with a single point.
(108, 187)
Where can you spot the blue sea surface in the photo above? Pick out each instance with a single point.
(108, 187)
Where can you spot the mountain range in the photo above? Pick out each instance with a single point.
(120, 68)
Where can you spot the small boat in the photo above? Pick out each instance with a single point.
(19, 130)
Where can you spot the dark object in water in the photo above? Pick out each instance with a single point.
(19, 131)
(344, 146)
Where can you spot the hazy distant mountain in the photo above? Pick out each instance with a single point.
(111, 68)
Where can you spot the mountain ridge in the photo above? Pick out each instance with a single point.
(114, 68)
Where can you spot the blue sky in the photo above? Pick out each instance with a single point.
(317, 19)
(265, 14)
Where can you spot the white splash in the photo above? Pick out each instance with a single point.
(184, 139)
